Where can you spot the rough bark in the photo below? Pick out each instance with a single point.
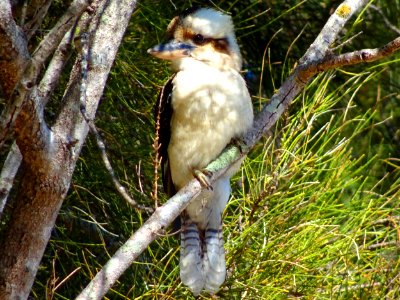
(28, 74)
(28, 234)
(8, 173)
(14, 53)
(44, 90)
(49, 156)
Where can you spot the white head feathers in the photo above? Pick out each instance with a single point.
(210, 23)
(216, 26)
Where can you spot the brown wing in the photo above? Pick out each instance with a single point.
(163, 114)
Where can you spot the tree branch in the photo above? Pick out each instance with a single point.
(46, 86)
(165, 214)
(8, 173)
(45, 187)
(33, 136)
(36, 64)
(387, 22)
(138, 242)
(56, 65)
(298, 79)
(36, 13)
(356, 57)
(51, 41)
(329, 33)
(14, 54)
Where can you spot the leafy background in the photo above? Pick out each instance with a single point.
(315, 209)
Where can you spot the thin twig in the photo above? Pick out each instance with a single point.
(65, 279)
(168, 234)
(348, 41)
(35, 21)
(156, 147)
(85, 57)
(23, 13)
(54, 37)
(139, 176)
(383, 245)
(56, 65)
(387, 22)
(357, 287)
(341, 288)
(120, 188)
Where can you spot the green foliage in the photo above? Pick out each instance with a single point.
(315, 209)
(313, 220)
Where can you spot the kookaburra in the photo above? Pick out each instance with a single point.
(203, 106)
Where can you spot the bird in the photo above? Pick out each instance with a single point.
(203, 107)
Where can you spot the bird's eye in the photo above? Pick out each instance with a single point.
(198, 39)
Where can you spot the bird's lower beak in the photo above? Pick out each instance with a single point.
(171, 50)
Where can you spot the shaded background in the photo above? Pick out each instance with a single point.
(315, 209)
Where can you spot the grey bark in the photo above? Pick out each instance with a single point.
(49, 156)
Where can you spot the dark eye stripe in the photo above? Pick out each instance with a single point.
(198, 39)
(222, 45)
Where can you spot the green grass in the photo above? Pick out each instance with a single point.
(314, 212)
(312, 222)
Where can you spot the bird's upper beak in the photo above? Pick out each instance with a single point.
(171, 50)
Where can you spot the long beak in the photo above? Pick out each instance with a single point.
(171, 50)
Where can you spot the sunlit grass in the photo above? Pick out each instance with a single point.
(314, 212)
(309, 223)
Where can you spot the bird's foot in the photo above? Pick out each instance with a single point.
(238, 142)
(203, 176)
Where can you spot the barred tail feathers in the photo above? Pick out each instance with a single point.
(202, 262)
(191, 259)
(214, 262)
(214, 259)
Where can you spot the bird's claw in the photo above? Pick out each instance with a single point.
(203, 176)
(237, 142)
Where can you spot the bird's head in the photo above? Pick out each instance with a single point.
(202, 34)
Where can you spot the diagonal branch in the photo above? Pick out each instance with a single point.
(8, 173)
(138, 242)
(165, 214)
(329, 33)
(385, 19)
(36, 13)
(298, 79)
(53, 72)
(34, 66)
(54, 37)
(356, 57)
(14, 53)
